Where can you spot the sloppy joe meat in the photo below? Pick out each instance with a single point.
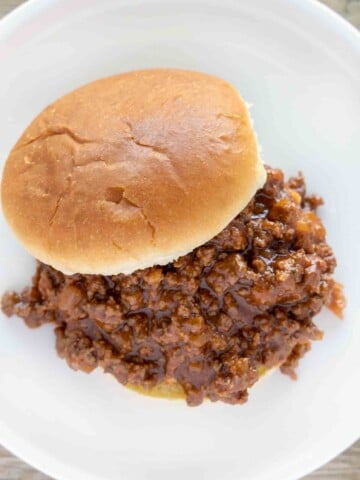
(214, 319)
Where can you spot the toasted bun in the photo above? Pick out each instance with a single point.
(167, 389)
(131, 171)
(171, 389)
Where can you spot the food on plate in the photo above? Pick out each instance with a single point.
(169, 255)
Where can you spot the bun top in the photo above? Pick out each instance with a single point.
(131, 171)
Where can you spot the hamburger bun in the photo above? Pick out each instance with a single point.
(168, 389)
(172, 390)
(131, 171)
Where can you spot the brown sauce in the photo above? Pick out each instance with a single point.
(211, 320)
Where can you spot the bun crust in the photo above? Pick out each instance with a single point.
(131, 171)
(171, 389)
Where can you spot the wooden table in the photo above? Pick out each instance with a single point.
(344, 467)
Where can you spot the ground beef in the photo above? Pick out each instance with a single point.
(214, 319)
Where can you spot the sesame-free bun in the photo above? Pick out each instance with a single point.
(171, 389)
(131, 171)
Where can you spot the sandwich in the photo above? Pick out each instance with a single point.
(168, 254)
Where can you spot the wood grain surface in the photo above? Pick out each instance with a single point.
(346, 466)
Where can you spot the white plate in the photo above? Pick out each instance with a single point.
(299, 65)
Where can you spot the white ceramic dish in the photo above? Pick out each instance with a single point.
(299, 65)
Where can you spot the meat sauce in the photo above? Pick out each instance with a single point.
(212, 320)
